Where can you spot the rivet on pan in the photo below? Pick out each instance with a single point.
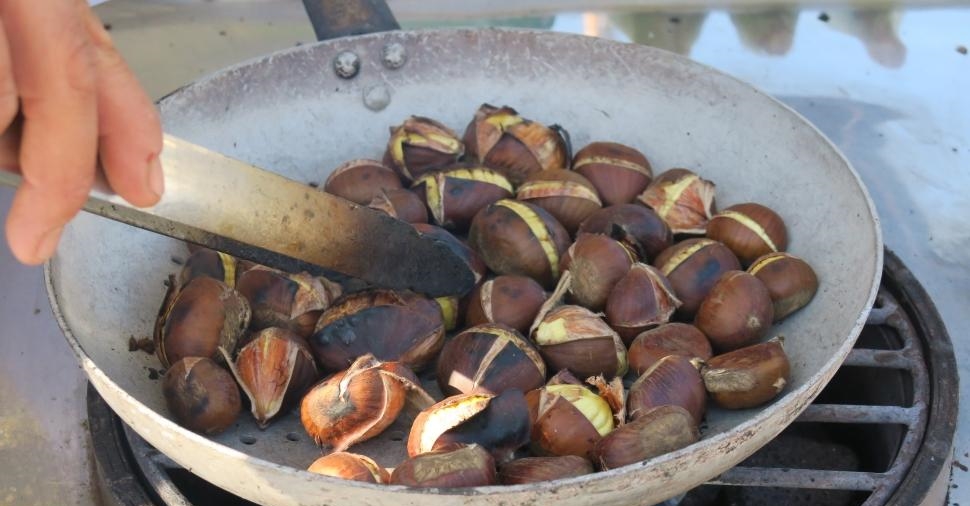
(377, 97)
(394, 55)
(346, 64)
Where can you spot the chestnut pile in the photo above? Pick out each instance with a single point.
(611, 308)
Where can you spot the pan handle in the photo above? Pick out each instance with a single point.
(340, 18)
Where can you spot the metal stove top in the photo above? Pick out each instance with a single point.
(887, 85)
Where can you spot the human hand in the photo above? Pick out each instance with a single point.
(79, 102)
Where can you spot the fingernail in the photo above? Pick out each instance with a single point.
(48, 243)
(156, 179)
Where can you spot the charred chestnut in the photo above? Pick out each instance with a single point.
(515, 237)
(736, 313)
(360, 181)
(750, 230)
(456, 194)
(489, 358)
(498, 137)
(420, 145)
(682, 198)
(618, 172)
(636, 226)
(508, 299)
(692, 267)
(568, 196)
(201, 396)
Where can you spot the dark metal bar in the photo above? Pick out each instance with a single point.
(341, 18)
(890, 359)
(800, 478)
(845, 413)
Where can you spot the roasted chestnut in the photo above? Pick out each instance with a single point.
(575, 338)
(568, 196)
(791, 281)
(489, 358)
(280, 299)
(515, 237)
(736, 313)
(539, 469)
(201, 396)
(402, 204)
(360, 181)
(635, 225)
(661, 430)
(391, 325)
(596, 264)
(673, 380)
(641, 299)
(567, 420)
(350, 466)
(357, 404)
(452, 467)
(750, 230)
(454, 195)
(747, 377)
(198, 319)
(420, 145)
(670, 339)
(682, 198)
(498, 137)
(508, 299)
(214, 264)
(693, 266)
(618, 172)
(499, 423)
(274, 370)
(460, 248)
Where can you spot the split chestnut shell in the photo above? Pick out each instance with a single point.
(290, 301)
(489, 358)
(350, 466)
(661, 430)
(567, 420)
(575, 338)
(201, 395)
(641, 299)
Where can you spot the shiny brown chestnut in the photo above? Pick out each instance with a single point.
(568, 196)
(500, 138)
(281, 299)
(539, 469)
(673, 338)
(573, 337)
(210, 263)
(596, 264)
(515, 237)
(452, 467)
(747, 377)
(635, 225)
(790, 280)
(682, 198)
(419, 145)
(641, 299)
(693, 266)
(361, 180)
(661, 430)
(455, 194)
(350, 466)
(567, 420)
(359, 403)
(471, 257)
(673, 380)
(507, 299)
(489, 358)
(750, 230)
(201, 395)
(736, 313)
(402, 204)
(499, 423)
(273, 370)
(392, 325)
(619, 172)
(198, 319)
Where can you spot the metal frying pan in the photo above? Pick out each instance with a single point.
(290, 112)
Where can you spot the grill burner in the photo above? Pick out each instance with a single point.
(879, 433)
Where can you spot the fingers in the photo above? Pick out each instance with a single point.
(130, 134)
(9, 105)
(54, 71)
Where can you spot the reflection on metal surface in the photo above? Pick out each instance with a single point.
(771, 31)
